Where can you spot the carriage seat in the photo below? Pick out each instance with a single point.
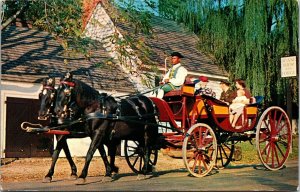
(188, 89)
(175, 92)
(256, 100)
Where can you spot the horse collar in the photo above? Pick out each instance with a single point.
(71, 84)
(48, 87)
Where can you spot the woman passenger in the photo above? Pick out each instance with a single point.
(241, 88)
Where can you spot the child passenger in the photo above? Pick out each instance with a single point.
(237, 107)
(202, 89)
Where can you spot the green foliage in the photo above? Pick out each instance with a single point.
(247, 38)
(61, 18)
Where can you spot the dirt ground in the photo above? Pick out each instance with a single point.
(33, 169)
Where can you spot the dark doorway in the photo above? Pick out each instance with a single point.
(18, 142)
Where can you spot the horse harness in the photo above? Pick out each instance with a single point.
(102, 113)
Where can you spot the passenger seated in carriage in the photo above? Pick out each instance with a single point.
(237, 107)
(227, 94)
(201, 87)
(174, 78)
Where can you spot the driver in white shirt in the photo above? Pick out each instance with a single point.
(175, 76)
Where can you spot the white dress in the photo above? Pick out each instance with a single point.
(237, 106)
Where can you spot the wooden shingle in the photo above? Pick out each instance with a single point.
(30, 55)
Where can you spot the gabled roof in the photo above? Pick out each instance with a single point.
(29, 55)
(169, 37)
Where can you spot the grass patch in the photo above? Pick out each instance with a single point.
(250, 156)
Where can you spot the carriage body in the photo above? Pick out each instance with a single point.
(200, 126)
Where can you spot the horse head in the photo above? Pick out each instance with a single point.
(64, 97)
(75, 99)
(47, 99)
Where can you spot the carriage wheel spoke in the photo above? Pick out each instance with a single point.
(199, 164)
(135, 160)
(264, 150)
(204, 162)
(195, 139)
(133, 150)
(276, 153)
(273, 155)
(279, 149)
(283, 125)
(266, 123)
(264, 140)
(269, 150)
(195, 163)
(224, 153)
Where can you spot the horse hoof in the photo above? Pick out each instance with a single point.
(106, 179)
(115, 169)
(47, 180)
(73, 177)
(142, 177)
(114, 176)
(81, 181)
(153, 169)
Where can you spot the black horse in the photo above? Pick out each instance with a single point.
(47, 99)
(108, 121)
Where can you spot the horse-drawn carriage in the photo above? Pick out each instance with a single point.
(198, 125)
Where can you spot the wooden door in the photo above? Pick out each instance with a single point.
(18, 142)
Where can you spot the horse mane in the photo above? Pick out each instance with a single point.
(85, 93)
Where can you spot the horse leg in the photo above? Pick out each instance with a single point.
(95, 144)
(148, 137)
(112, 154)
(146, 152)
(108, 169)
(70, 160)
(59, 146)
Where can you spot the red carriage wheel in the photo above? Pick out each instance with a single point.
(134, 155)
(273, 138)
(199, 150)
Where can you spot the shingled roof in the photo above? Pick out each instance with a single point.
(169, 37)
(29, 55)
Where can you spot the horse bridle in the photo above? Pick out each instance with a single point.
(44, 91)
(68, 86)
